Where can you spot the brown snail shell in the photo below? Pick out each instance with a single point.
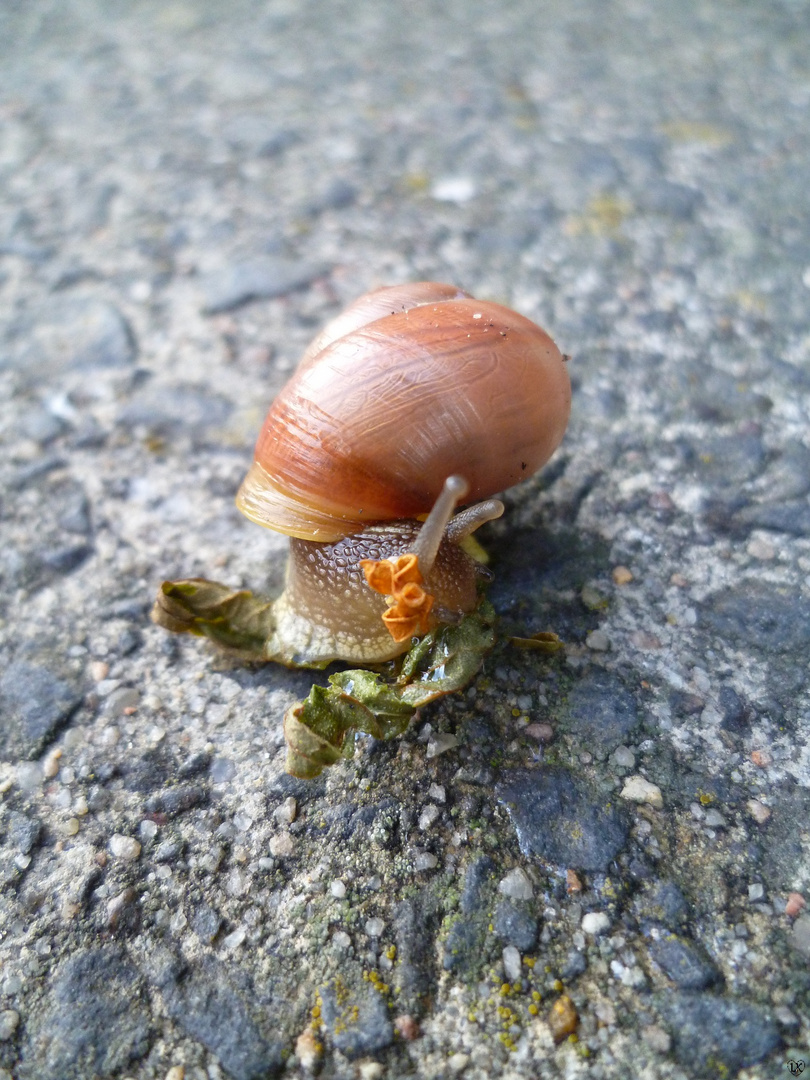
(408, 386)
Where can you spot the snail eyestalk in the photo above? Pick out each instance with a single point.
(426, 546)
(401, 578)
(466, 523)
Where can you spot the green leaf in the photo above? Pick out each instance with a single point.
(234, 619)
(320, 729)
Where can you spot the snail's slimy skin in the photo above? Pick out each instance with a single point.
(328, 612)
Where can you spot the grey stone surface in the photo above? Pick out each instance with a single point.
(190, 191)
(515, 926)
(559, 821)
(34, 703)
(601, 712)
(359, 1029)
(209, 1008)
(713, 1035)
(682, 962)
(96, 1021)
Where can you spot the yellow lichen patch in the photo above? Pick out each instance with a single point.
(697, 131)
(603, 216)
(376, 981)
(400, 581)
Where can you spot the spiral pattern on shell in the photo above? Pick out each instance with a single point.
(409, 385)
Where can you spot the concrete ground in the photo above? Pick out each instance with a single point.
(592, 864)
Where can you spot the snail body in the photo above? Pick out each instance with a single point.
(417, 398)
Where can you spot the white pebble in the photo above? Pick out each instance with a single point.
(337, 889)
(454, 189)
(234, 940)
(423, 860)
(428, 816)
(624, 757)
(437, 793)
(124, 847)
(756, 891)
(639, 790)
(440, 744)
(341, 940)
(9, 1020)
(598, 641)
(370, 1070)
(758, 811)
(516, 885)
(595, 923)
(287, 811)
(374, 927)
(281, 845)
(457, 1063)
(511, 963)
(147, 829)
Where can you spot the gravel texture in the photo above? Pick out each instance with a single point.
(607, 837)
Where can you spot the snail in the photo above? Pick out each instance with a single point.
(415, 400)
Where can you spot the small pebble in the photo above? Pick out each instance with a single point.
(598, 641)
(761, 549)
(287, 811)
(656, 1038)
(440, 744)
(758, 811)
(124, 847)
(542, 732)
(281, 845)
(511, 963)
(308, 1049)
(437, 793)
(800, 935)
(516, 885)
(563, 1018)
(794, 905)
(407, 1027)
(756, 891)
(595, 923)
(50, 766)
(639, 790)
(428, 816)
(572, 881)
(760, 758)
(176, 1072)
(424, 860)
(454, 189)
(457, 1063)
(147, 830)
(621, 575)
(624, 757)
(337, 889)
(374, 927)
(715, 820)
(9, 1021)
(370, 1070)
(120, 700)
(234, 940)
(72, 826)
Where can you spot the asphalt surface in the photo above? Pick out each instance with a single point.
(591, 864)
